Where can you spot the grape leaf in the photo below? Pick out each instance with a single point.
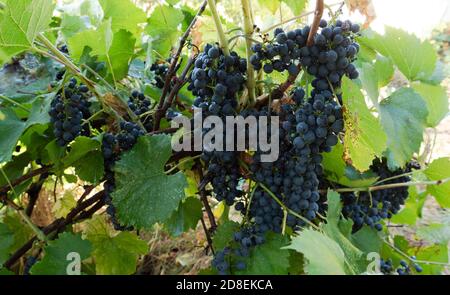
(224, 234)
(81, 146)
(403, 116)
(113, 254)
(367, 240)
(64, 204)
(369, 80)
(145, 195)
(361, 128)
(355, 260)
(271, 5)
(384, 69)
(20, 22)
(6, 241)
(72, 24)
(90, 168)
(11, 127)
(55, 261)
(337, 171)
(162, 26)
(439, 169)
(415, 59)
(115, 49)
(186, 217)
(297, 6)
(268, 258)
(435, 96)
(435, 233)
(324, 256)
(22, 232)
(124, 14)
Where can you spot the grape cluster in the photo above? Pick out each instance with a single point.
(215, 81)
(69, 107)
(141, 105)
(112, 147)
(328, 59)
(244, 239)
(370, 209)
(387, 268)
(29, 262)
(160, 70)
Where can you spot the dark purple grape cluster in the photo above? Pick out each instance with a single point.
(160, 70)
(387, 267)
(112, 146)
(68, 109)
(329, 57)
(216, 79)
(371, 209)
(233, 257)
(141, 106)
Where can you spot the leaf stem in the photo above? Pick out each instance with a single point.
(15, 103)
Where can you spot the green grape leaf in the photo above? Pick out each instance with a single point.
(115, 49)
(162, 26)
(355, 261)
(436, 253)
(90, 168)
(79, 148)
(224, 234)
(57, 257)
(297, 6)
(269, 258)
(414, 58)
(20, 22)
(439, 169)
(72, 24)
(367, 240)
(403, 116)
(64, 204)
(410, 211)
(271, 5)
(124, 14)
(337, 171)
(369, 80)
(324, 256)
(145, 195)
(6, 242)
(435, 96)
(113, 254)
(435, 233)
(186, 217)
(22, 232)
(361, 128)
(384, 69)
(6, 272)
(12, 127)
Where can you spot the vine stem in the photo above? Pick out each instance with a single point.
(173, 67)
(222, 38)
(248, 28)
(392, 185)
(318, 12)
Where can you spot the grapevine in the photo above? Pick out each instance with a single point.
(265, 144)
